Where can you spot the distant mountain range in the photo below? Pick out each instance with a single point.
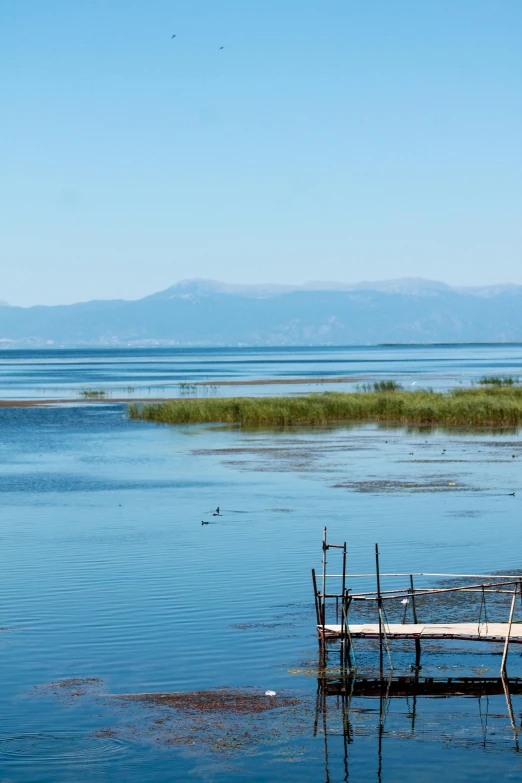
(206, 312)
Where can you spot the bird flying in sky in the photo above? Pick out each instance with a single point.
(174, 35)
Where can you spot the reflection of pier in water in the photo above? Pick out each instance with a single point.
(339, 704)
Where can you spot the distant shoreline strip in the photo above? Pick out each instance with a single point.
(28, 403)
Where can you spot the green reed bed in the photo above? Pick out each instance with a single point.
(498, 406)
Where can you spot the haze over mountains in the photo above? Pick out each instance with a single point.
(206, 312)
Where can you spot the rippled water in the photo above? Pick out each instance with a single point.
(107, 573)
(171, 372)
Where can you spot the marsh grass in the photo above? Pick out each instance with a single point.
(499, 406)
(379, 386)
(92, 393)
(497, 380)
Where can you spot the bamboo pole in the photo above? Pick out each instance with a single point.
(510, 621)
(379, 605)
(346, 643)
(323, 603)
(427, 591)
(316, 598)
(414, 608)
(385, 595)
(343, 612)
(513, 577)
(505, 685)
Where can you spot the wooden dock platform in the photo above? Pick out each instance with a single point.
(505, 588)
(473, 632)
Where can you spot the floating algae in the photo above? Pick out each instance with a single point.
(222, 720)
(70, 688)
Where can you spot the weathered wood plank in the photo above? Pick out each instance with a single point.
(490, 632)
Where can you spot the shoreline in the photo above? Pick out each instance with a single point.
(35, 401)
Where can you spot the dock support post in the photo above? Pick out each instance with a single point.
(323, 603)
(505, 685)
(343, 613)
(316, 599)
(510, 621)
(415, 620)
(379, 605)
(350, 654)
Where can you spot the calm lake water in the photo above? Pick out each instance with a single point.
(167, 372)
(110, 585)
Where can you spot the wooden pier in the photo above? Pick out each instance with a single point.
(479, 630)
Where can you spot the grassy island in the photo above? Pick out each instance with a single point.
(487, 405)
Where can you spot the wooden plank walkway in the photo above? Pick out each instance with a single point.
(485, 632)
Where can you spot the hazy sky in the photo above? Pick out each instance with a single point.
(328, 140)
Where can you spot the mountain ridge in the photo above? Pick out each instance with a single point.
(206, 312)
(409, 285)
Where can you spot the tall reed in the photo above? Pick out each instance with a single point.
(486, 406)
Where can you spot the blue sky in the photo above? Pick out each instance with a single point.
(328, 140)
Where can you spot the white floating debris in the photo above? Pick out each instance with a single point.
(270, 693)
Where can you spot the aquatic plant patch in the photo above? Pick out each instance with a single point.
(474, 407)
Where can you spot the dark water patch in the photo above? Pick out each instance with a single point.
(289, 467)
(513, 445)
(436, 461)
(375, 486)
(272, 451)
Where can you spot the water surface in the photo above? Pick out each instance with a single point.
(59, 374)
(107, 573)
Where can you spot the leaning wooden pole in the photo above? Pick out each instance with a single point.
(415, 620)
(343, 612)
(316, 599)
(379, 604)
(510, 622)
(323, 600)
(505, 685)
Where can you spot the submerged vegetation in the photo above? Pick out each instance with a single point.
(381, 386)
(92, 393)
(497, 380)
(494, 405)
